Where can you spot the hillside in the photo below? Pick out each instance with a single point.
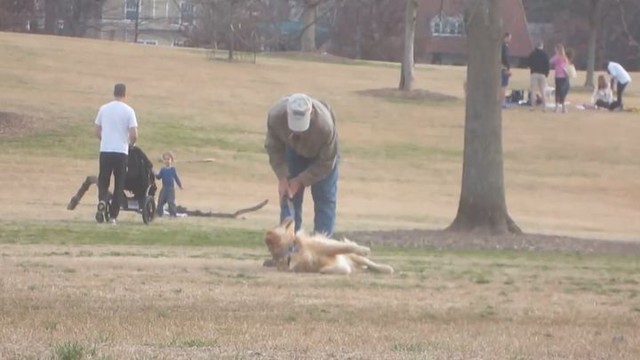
(573, 174)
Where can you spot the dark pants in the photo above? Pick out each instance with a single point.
(116, 164)
(167, 196)
(619, 91)
(602, 104)
(324, 194)
(562, 89)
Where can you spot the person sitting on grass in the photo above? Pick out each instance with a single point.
(169, 175)
(602, 96)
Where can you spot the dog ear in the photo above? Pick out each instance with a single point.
(271, 238)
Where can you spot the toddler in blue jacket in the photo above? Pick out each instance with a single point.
(169, 177)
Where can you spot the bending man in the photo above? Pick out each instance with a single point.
(302, 144)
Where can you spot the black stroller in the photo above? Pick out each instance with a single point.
(140, 182)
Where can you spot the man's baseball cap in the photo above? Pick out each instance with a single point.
(299, 112)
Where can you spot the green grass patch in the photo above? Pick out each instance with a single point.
(129, 234)
(69, 140)
(417, 347)
(184, 132)
(192, 343)
(487, 311)
(69, 351)
(72, 136)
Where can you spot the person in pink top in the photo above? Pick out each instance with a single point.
(559, 63)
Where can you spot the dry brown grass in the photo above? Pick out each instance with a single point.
(175, 303)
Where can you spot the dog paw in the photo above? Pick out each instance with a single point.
(363, 251)
(269, 263)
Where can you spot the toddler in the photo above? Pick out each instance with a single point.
(169, 176)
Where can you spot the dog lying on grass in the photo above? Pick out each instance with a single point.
(316, 253)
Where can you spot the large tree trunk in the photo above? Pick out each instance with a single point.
(595, 20)
(51, 16)
(136, 25)
(231, 31)
(406, 70)
(358, 36)
(482, 204)
(591, 56)
(308, 38)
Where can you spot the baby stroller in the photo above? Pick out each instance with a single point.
(140, 183)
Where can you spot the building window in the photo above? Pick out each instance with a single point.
(186, 13)
(131, 9)
(148, 42)
(447, 25)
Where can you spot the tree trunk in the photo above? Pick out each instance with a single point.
(136, 25)
(482, 205)
(51, 15)
(406, 70)
(232, 35)
(308, 38)
(595, 20)
(591, 56)
(358, 32)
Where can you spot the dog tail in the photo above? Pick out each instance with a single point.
(363, 261)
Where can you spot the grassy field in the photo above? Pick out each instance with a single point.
(93, 292)
(573, 174)
(194, 288)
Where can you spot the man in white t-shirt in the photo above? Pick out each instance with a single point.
(619, 80)
(117, 128)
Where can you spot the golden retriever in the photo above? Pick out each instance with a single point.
(316, 253)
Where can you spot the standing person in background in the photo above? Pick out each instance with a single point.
(620, 78)
(117, 128)
(559, 63)
(538, 61)
(505, 74)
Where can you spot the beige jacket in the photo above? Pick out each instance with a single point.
(319, 142)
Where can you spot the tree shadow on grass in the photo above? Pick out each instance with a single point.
(449, 240)
(13, 124)
(415, 96)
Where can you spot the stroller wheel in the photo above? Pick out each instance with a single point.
(148, 209)
(102, 214)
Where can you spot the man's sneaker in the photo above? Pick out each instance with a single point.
(101, 212)
(113, 222)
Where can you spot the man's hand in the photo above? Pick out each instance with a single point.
(133, 135)
(295, 185)
(283, 187)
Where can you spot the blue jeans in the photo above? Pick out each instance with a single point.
(323, 192)
(562, 89)
(167, 196)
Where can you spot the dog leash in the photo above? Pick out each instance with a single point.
(288, 202)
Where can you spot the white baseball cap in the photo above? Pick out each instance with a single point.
(299, 112)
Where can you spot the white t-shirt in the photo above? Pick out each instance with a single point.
(116, 118)
(618, 73)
